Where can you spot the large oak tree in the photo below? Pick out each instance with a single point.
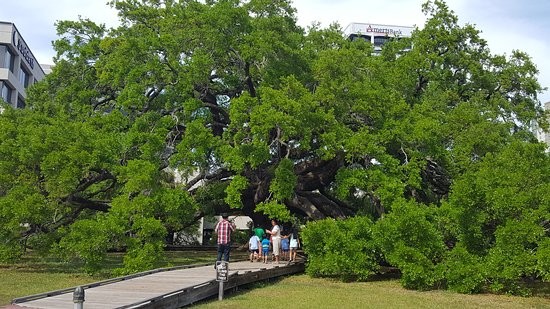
(192, 107)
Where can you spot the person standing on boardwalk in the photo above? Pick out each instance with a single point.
(254, 246)
(224, 228)
(265, 248)
(285, 242)
(260, 233)
(275, 239)
(294, 244)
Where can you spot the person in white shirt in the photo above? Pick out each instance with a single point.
(254, 246)
(275, 239)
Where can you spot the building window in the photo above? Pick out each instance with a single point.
(355, 37)
(6, 92)
(24, 77)
(380, 40)
(20, 102)
(9, 59)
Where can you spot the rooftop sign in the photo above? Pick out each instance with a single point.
(377, 29)
(23, 49)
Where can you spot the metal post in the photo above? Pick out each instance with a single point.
(78, 298)
(220, 291)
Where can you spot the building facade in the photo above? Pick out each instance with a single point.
(18, 67)
(377, 34)
(540, 134)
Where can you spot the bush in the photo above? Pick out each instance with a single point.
(543, 259)
(513, 256)
(410, 241)
(148, 256)
(87, 241)
(463, 272)
(240, 237)
(342, 249)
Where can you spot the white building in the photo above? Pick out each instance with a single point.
(18, 67)
(377, 34)
(205, 231)
(541, 135)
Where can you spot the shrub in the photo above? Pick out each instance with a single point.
(543, 259)
(513, 256)
(88, 241)
(148, 256)
(463, 272)
(343, 249)
(410, 241)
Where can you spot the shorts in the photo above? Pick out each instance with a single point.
(253, 250)
(276, 245)
(265, 251)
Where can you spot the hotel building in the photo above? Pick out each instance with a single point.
(18, 66)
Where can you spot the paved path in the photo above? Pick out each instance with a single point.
(140, 289)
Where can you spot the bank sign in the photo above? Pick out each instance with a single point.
(378, 30)
(24, 51)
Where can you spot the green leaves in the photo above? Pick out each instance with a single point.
(282, 186)
(409, 240)
(234, 191)
(190, 107)
(274, 209)
(341, 249)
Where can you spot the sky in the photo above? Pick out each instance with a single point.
(505, 24)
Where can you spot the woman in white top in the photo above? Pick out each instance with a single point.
(275, 239)
(294, 244)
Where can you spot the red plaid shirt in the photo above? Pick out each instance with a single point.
(224, 228)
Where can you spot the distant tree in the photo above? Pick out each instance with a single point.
(255, 115)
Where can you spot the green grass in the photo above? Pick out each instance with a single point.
(34, 274)
(305, 292)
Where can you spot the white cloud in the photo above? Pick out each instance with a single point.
(397, 12)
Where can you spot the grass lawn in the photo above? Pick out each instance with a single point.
(304, 292)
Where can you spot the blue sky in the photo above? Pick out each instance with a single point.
(505, 24)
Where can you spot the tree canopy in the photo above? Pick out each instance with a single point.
(192, 107)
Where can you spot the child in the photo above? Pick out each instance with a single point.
(265, 248)
(254, 247)
(260, 233)
(285, 247)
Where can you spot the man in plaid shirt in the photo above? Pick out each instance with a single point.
(224, 229)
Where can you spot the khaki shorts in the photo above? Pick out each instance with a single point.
(276, 245)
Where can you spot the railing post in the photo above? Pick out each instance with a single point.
(220, 290)
(78, 298)
(222, 275)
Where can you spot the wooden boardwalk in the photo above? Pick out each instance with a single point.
(163, 288)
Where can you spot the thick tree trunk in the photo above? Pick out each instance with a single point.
(306, 206)
(323, 204)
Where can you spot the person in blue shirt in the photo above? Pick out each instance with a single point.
(265, 248)
(285, 248)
